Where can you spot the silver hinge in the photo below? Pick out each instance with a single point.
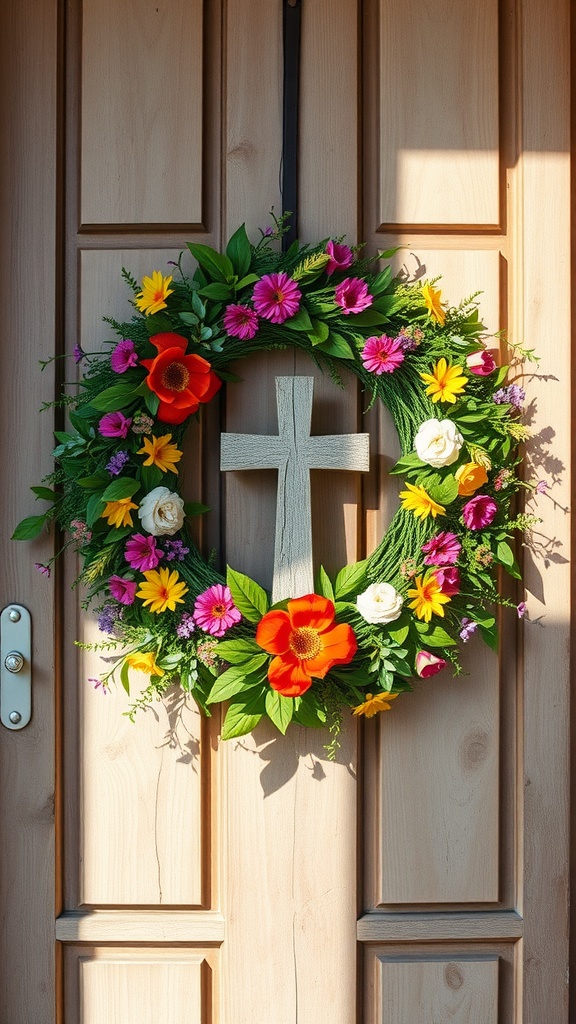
(15, 667)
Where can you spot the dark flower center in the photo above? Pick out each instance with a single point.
(175, 377)
(305, 642)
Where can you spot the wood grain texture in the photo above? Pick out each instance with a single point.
(459, 991)
(378, 926)
(141, 991)
(438, 164)
(141, 113)
(102, 926)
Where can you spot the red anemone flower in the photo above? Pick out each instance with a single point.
(181, 382)
(306, 643)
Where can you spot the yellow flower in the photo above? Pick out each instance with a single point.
(374, 703)
(118, 512)
(162, 590)
(161, 452)
(418, 501)
(427, 597)
(155, 290)
(433, 304)
(445, 382)
(470, 477)
(145, 662)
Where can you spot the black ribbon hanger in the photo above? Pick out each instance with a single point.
(291, 41)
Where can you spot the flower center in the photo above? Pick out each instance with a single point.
(305, 642)
(278, 295)
(175, 377)
(218, 611)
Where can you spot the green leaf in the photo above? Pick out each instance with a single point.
(399, 634)
(249, 279)
(78, 423)
(214, 263)
(250, 599)
(367, 318)
(446, 491)
(319, 331)
(490, 637)
(350, 579)
(279, 709)
(158, 323)
(122, 487)
(237, 651)
(504, 554)
(198, 306)
(151, 477)
(307, 712)
(152, 402)
(119, 396)
(239, 251)
(336, 346)
(300, 321)
(29, 528)
(189, 318)
(44, 492)
(233, 681)
(381, 282)
(435, 636)
(323, 584)
(94, 509)
(195, 508)
(124, 678)
(95, 480)
(387, 254)
(214, 290)
(406, 463)
(243, 716)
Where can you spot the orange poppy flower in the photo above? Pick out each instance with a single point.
(181, 381)
(306, 643)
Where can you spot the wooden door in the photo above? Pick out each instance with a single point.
(149, 871)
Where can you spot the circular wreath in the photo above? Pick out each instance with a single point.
(362, 637)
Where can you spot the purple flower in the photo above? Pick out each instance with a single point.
(382, 355)
(513, 394)
(240, 322)
(468, 628)
(443, 549)
(406, 343)
(44, 570)
(122, 590)
(215, 611)
(108, 618)
(276, 297)
(114, 424)
(117, 463)
(267, 232)
(449, 580)
(479, 512)
(141, 552)
(352, 295)
(521, 609)
(341, 257)
(541, 487)
(175, 549)
(78, 353)
(98, 683)
(186, 626)
(124, 356)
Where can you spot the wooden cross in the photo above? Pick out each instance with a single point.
(293, 452)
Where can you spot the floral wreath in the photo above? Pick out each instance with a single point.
(362, 637)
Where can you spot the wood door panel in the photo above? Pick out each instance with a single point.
(456, 990)
(141, 112)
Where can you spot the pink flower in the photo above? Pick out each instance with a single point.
(352, 295)
(521, 609)
(98, 683)
(382, 355)
(122, 590)
(443, 549)
(341, 257)
(44, 570)
(141, 552)
(479, 512)
(240, 322)
(449, 580)
(124, 356)
(481, 363)
(114, 424)
(215, 611)
(541, 487)
(276, 297)
(428, 664)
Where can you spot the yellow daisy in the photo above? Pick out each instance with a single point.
(427, 597)
(433, 304)
(161, 453)
(118, 512)
(145, 662)
(375, 703)
(155, 291)
(445, 382)
(162, 590)
(415, 499)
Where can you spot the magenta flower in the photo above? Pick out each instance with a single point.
(240, 322)
(479, 512)
(428, 664)
(44, 570)
(382, 355)
(352, 295)
(78, 353)
(215, 611)
(521, 609)
(481, 363)
(141, 552)
(443, 549)
(341, 257)
(114, 424)
(122, 590)
(124, 356)
(449, 580)
(276, 297)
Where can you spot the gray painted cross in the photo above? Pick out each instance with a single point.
(293, 452)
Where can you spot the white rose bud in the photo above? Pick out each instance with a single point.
(380, 603)
(438, 442)
(161, 512)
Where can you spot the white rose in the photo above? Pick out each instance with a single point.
(438, 443)
(380, 603)
(161, 512)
